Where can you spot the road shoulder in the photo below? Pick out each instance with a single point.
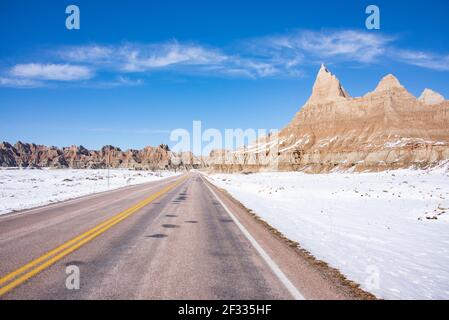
(314, 278)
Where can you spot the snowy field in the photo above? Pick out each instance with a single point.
(387, 231)
(26, 188)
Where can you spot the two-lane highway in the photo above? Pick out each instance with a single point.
(165, 240)
(178, 238)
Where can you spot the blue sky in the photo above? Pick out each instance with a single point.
(138, 69)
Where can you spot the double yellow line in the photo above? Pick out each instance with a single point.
(19, 276)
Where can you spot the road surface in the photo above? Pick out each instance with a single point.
(178, 238)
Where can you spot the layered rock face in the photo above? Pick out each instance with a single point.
(78, 157)
(385, 129)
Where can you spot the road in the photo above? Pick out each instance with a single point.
(178, 238)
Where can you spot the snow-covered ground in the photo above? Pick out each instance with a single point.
(27, 188)
(388, 231)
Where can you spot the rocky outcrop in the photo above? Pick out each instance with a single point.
(327, 87)
(430, 97)
(385, 129)
(8, 155)
(388, 83)
(32, 155)
(78, 157)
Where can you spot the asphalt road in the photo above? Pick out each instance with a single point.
(179, 238)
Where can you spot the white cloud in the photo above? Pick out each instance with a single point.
(148, 57)
(258, 68)
(60, 72)
(343, 46)
(422, 59)
(91, 53)
(359, 45)
(129, 82)
(346, 45)
(120, 81)
(144, 57)
(19, 83)
(273, 56)
(285, 55)
(174, 56)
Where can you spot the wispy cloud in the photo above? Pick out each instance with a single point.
(171, 56)
(149, 57)
(87, 53)
(282, 55)
(119, 81)
(354, 46)
(19, 83)
(58, 72)
(144, 57)
(422, 59)
(347, 45)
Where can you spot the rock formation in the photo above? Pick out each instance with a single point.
(327, 88)
(78, 157)
(431, 97)
(385, 129)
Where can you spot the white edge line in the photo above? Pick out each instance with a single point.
(273, 266)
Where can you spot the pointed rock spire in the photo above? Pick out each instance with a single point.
(327, 87)
(430, 97)
(387, 83)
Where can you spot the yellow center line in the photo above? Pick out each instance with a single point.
(75, 243)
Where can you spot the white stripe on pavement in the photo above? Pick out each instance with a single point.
(273, 266)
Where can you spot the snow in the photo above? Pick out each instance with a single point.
(387, 231)
(404, 141)
(299, 142)
(258, 148)
(27, 188)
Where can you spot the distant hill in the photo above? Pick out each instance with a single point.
(150, 158)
